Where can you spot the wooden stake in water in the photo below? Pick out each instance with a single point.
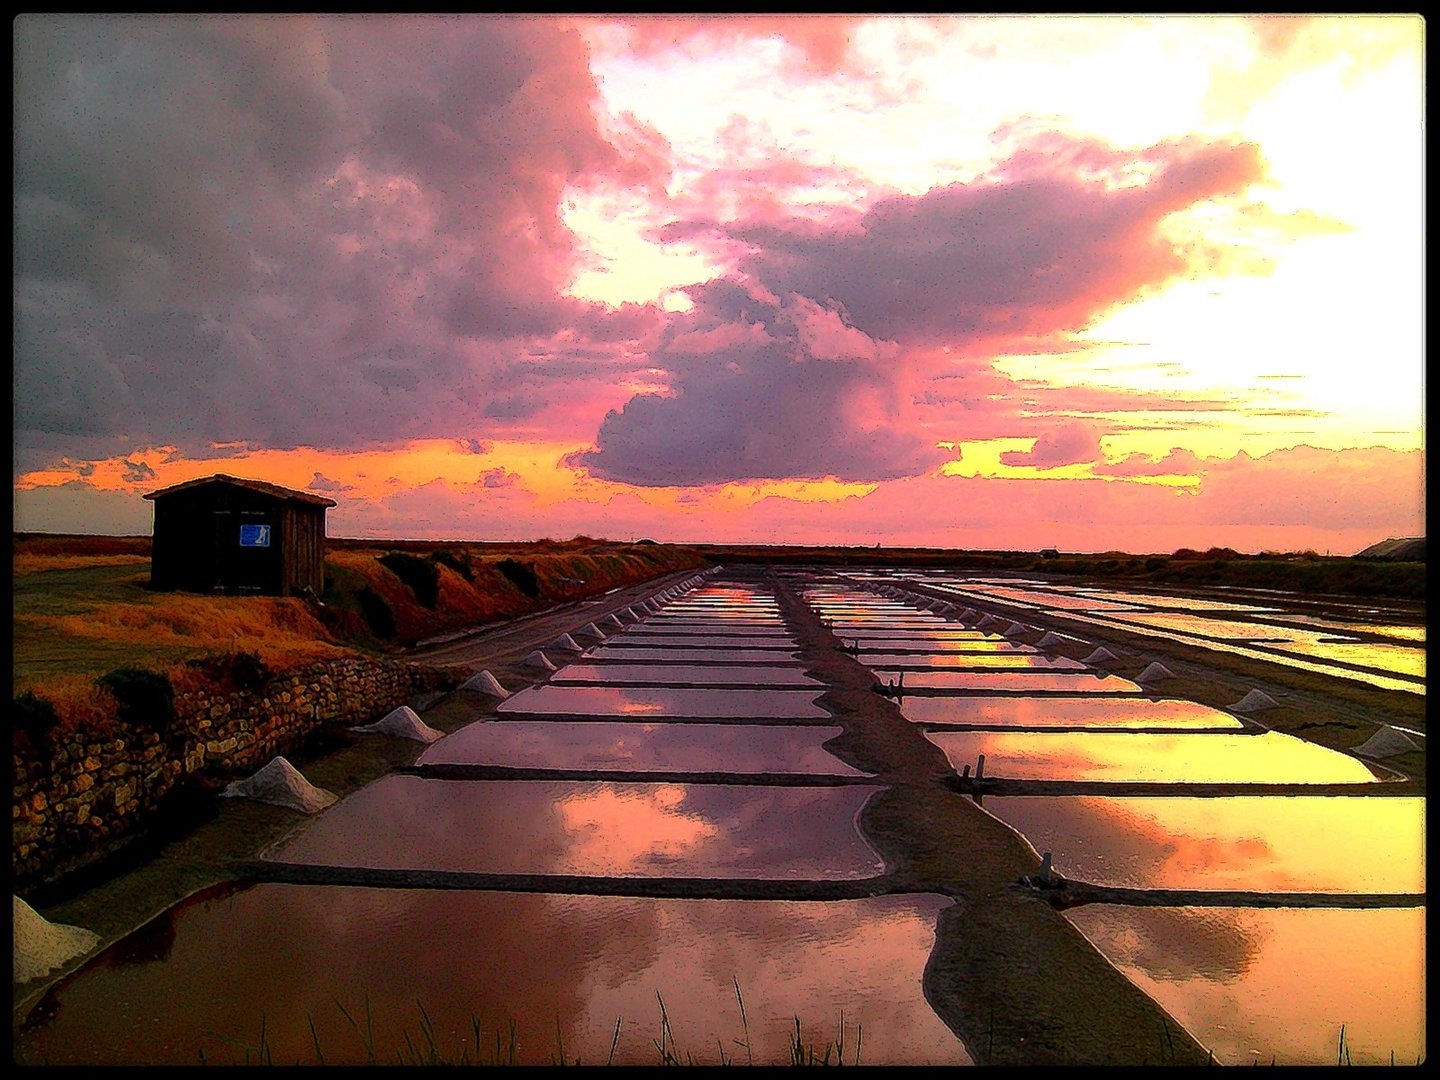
(980, 768)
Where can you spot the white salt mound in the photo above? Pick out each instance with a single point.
(538, 659)
(591, 630)
(41, 946)
(565, 642)
(1154, 673)
(1051, 638)
(403, 723)
(281, 784)
(1015, 629)
(1253, 701)
(1385, 743)
(613, 621)
(1099, 656)
(485, 683)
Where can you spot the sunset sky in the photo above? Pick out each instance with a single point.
(1087, 283)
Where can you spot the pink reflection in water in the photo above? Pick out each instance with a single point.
(593, 828)
(662, 702)
(557, 744)
(285, 956)
(1252, 984)
(682, 674)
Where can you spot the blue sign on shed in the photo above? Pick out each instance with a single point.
(255, 536)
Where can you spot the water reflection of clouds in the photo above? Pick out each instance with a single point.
(576, 961)
(558, 701)
(677, 748)
(1260, 843)
(1126, 756)
(1065, 712)
(592, 827)
(1251, 983)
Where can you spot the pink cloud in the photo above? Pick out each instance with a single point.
(1066, 445)
(820, 43)
(1038, 249)
(813, 397)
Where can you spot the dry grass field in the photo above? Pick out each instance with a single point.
(82, 606)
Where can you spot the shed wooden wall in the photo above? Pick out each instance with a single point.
(192, 552)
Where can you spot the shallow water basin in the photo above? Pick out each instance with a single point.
(951, 632)
(1119, 757)
(618, 674)
(613, 650)
(1158, 600)
(1223, 629)
(1065, 712)
(978, 645)
(657, 624)
(1300, 843)
(660, 703)
(638, 747)
(1047, 600)
(976, 661)
(780, 642)
(594, 828)
(175, 989)
(1260, 984)
(1401, 659)
(1020, 682)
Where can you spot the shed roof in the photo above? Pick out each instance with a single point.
(274, 490)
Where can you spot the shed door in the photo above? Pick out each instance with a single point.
(246, 551)
(256, 546)
(223, 545)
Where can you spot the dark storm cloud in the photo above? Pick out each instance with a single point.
(292, 230)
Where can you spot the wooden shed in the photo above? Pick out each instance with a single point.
(229, 535)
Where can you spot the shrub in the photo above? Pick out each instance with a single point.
(240, 670)
(378, 615)
(457, 561)
(146, 699)
(521, 575)
(35, 719)
(421, 576)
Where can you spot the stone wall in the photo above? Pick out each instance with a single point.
(94, 797)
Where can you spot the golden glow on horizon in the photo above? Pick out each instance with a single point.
(1337, 115)
(982, 459)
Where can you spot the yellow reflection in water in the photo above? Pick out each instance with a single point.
(1125, 756)
(1252, 984)
(1398, 658)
